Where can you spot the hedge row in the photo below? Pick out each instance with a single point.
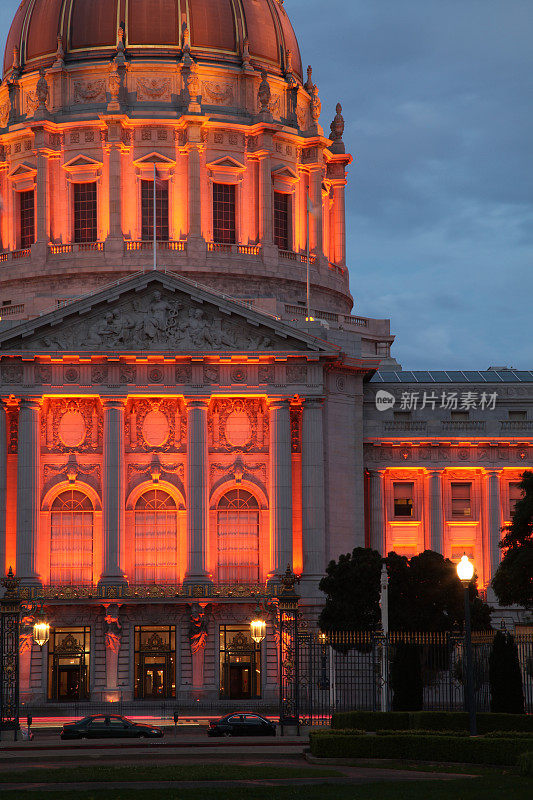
(429, 720)
(420, 748)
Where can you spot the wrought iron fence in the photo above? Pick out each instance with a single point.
(351, 671)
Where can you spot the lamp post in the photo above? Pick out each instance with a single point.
(9, 655)
(258, 626)
(465, 571)
(289, 690)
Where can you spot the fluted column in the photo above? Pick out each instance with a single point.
(115, 192)
(435, 511)
(197, 491)
(265, 201)
(195, 192)
(3, 486)
(113, 491)
(313, 492)
(338, 224)
(280, 487)
(42, 199)
(494, 522)
(28, 508)
(378, 532)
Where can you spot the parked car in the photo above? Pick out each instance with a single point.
(105, 726)
(241, 725)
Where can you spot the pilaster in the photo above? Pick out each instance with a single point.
(197, 491)
(280, 488)
(28, 485)
(113, 491)
(313, 490)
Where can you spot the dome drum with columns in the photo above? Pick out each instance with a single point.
(210, 92)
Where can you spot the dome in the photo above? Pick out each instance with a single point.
(89, 29)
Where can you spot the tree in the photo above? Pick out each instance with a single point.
(425, 593)
(352, 590)
(513, 580)
(505, 676)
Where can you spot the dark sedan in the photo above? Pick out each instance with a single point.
(102, 726)
(241, 725)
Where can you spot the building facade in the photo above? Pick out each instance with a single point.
(175, 430)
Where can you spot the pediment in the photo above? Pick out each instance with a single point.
(23, 171)
(154, 158)
(157, 312)
(226, 163)
(286, 173)
(81, 161)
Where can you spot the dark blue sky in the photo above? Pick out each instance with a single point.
(437, 98)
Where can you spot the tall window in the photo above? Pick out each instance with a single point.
(27, 219)
(156, 538)
(461, 500)
(224, 213)
(238, 538)
(281, 220)
(71, 541)
(85, 219)
(403, 499)
(515, 494)
(161, 210)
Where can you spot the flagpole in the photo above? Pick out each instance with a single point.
(308, 286)
(155, 223)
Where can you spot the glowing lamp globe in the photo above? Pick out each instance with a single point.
(41, 632)
(465, 569)
(258, 629)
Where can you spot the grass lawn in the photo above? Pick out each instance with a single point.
(165, 772)
(489, 787)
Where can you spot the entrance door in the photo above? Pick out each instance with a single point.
(239, 681)
(68, 682)
(155, 677)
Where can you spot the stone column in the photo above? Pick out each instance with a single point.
(494, 523)
(197, 491)
(113, 491)
(115, 192)
(378, 531)
(3, 486)
(265, 201)
(41, 199)
(315, 222)
(195, 192)
(338, 254)
(280, 488)
(28, 485)
(435, 511)
(313, 492)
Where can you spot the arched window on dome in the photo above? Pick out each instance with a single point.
(71, 540)
(156, 538)
(238, 537)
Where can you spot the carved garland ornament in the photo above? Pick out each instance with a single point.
(155, 425)
(239, 424)
(88, 91)
(72, 425)
(152, 89)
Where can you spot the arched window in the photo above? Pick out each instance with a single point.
(156, 538)
(71, 540)
(238, 537)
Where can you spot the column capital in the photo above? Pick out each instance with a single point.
(310, 402)
(278, 403)
(493, 473)
(34, 403)
(195, 402)
(436, 473)
(113, 402)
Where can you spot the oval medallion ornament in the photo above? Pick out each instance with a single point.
(238, 429)
(72, 429)
(155, 429)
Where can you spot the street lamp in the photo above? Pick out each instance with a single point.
(41, 629)
(258, 626)
(465, 571)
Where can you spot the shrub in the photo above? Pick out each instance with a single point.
(505, 676)
(430, 720)
(371, 720)
(525, 762)
(452, 749)
(406, 678)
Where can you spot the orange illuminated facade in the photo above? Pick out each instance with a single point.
(173, 431)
